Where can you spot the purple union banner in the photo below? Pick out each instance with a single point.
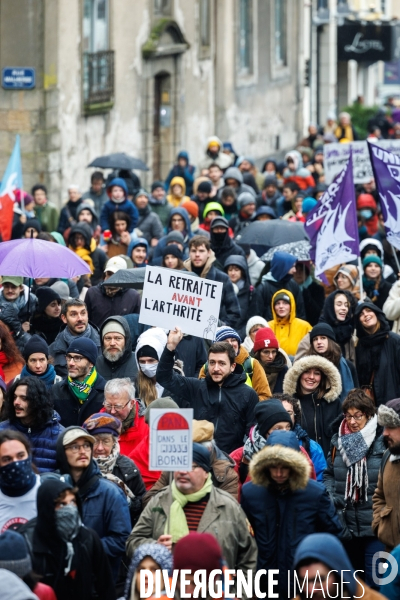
(332, 225)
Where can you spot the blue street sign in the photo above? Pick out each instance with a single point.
(18, 78)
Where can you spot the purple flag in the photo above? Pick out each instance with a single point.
(386, 168)
(332, 225)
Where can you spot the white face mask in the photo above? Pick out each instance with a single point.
(149, 370)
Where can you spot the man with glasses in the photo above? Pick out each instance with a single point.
(120, 402)
(194, 504)
(104, 504)
(117, 359)
(81, 393)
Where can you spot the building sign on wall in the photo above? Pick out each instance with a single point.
(367, 43)
(18, 78)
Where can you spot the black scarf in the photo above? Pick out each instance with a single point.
(369, 353)
(343, 329)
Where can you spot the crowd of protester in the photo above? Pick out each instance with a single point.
(296, 401)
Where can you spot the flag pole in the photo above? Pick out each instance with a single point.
(360, 279)
(395, 258)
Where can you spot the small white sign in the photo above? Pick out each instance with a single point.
(174, 298)
(336, 156)
(171, 439)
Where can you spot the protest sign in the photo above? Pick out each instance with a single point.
(336, 156)
(171, 439)
(179, 299)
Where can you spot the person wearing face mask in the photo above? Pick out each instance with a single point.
(317, 384)
(47, 319)
(375, 286)
(18, 482)
(351, 477)
(221, 244)
(69, 557)
(377, 354)
(149, 348)
(367, 207)
(104, 505)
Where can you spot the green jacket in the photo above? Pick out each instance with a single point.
(48, 216)
(223, 518)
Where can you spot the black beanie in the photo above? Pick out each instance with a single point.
(205, 186)
(322, 329)
(35, 344)
(157, 184)
(147, 351)
(268, 413)
(172, 249)
(45, 296)
(202, 457)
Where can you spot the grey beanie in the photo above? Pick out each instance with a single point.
(389, 414)
(166, 402)
(14, 553)
(246, 198)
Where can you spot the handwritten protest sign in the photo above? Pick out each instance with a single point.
(171, 439)
(176, 298)
(336, 156)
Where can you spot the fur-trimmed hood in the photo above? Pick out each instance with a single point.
(389, 414)
(271, 456)
(318, 362)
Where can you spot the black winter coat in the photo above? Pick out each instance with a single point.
(314, 298)
(100, 306)
(128, 472)
(226, 249)
(229, 312)
(71, 411)
(191, 350)
(124, 367)
(230, 407)
(358, 516)
(246, 296)
(268, 288)
(387, 377)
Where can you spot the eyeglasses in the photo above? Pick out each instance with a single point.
(116, 407)
(106, 442)
(115, 338)
(74, 359)
(356, 417)
(76, 447)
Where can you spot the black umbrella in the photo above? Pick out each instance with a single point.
(127, 278)
(119, 160)
(263, 235)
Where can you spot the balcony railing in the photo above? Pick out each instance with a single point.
(98, 81)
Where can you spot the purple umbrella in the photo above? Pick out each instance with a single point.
(36, 258)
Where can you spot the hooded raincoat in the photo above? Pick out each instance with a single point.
(289, 330)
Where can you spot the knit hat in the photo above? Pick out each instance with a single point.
(114, 264)
(34, 223)
(371, 258)
(166, 402)
(172, 249)
(45, 296)
(246, 198)
(322, 329)
(204, 186)
(282, 296)
(308, 204)
(84, 346)
(269, 413)
(147, 351)
(157, 184)
(35, 344)
(174, 236)
(366, 201)
(113, 327)
(225, 332)
(28, 199)
(219, 222)
(142, 192)
(62, 289)
(14, 553)
(12, 279)
(389, 414)
(103, 423)
(215, 206)
(270, 180)
(198, 551)
(202, 457)
(191, 207)
(265, 338)
(257, 320)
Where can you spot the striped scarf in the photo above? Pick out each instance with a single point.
(82, 389)
(353, 448)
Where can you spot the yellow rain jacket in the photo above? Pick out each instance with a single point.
(289, 330)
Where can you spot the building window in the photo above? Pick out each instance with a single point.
(280, 33)
(245, 36)
(98, 59)
(205, 23)
(162, 7)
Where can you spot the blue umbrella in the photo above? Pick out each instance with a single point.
(34, 258)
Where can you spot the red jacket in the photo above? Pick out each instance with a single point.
(302, 182)
(140, 456)
(134, 435)
(237, 456)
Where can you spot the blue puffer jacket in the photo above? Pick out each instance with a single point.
(314, 451)
(43, 441)
(104, 507)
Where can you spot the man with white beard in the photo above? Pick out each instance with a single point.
(116, 359)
